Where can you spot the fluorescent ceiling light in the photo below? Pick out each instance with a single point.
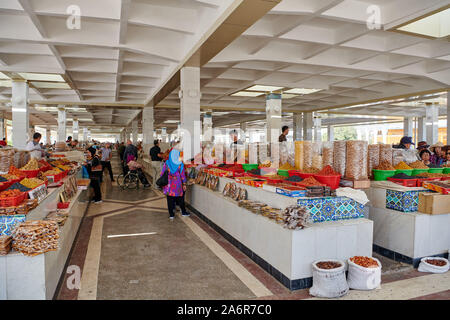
(3, 76)
(171, 121)
(42, 77)
(85, 119)
(436, 25)
(6, 83)
(247, 94)
(43, 108)
(220, 113)
(301, 91)
(51, 85)
(264, 88)
(76, 109)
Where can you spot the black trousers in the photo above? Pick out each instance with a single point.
(142, 176)
(95, 184)
(171, 201)
(107, 164)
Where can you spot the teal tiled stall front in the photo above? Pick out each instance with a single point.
(404, 201)
(8, 223)
(332, 208)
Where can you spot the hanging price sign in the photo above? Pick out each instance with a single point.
(39, 193)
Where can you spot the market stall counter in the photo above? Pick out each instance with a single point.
(36, 277)
(401, 232)
(285, 253)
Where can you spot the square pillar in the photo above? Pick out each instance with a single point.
(298, 126)
(61, 124)
(147, 129)
(85, 134)
(408, 126)
(190, 111)
(48, 136)
(317, 128)
(207, 127)
(273, 113)
(308, 126)
(20, 114)
(2, 128)
(421, 129)
(127, 134)
(75, 129)
(134, 127)
(448, 117)
(330, 133)
(432, 113)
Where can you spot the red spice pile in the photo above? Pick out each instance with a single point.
(309, 182)
(327, 171)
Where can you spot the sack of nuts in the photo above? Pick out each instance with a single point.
(364, 273)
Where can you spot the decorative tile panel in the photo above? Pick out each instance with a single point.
(332, 208)
(8, 223)
(404, 201)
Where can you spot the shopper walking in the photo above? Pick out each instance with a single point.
(95, 171)
(106, 159)
(156, 157)
(176, 186)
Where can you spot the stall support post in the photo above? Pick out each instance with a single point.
(48, 136)
(147, 128)
(243, 127)
(207, 127)
(273, 116)
(20, 114)
(317, 128)
(307, 126)
(298, 126)
(330, 133)
(421, 129)
(2, 128)
(75, 129)
(448, 116)
(85, 134)
(61, 124)
(408, 126)
(432, 113)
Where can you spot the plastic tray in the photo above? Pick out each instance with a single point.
(31, 173)
(63, 205)
(404, 182)
(12, 201)
(436, 170)
(249, 166)
(284, 173)
(417, 172)
(446, 170)
(331, 181)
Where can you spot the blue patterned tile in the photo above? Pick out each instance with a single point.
(405, 201)
(8, 223)
(332, 208)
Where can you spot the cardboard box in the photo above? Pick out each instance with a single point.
(355, 184)
(434, 203)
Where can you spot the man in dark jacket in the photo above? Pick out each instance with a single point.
(129, 150)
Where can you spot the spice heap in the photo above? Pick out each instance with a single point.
(327, 171)
(265, 164)
(274, 176)
(385, 165)
(10, 193)
(328, 265)
(19, 186)
(294, 179)
(436, 262)
(310, 170)
(365, 262)
(31, 182)
(14, 171)
(418, 165)
(402, 166)
(432, 175)
(286, 166)
(5, 244)
(310, 181)
(296, 217)
(35, 237)
(33, 164)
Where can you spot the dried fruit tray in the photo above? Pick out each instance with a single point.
(12, 201)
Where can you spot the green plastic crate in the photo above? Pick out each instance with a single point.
(249, 166)
(382, 175)
(405, 171)
(436, 170)
(284, 173)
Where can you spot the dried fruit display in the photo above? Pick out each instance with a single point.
(296, 217)
(432, 175)
(385, 165)
(373, 158)
(327, 155)
(328, 265)
(339, 156)
(307, 153)
(402, 166)
(10, 193)
(356, 160)
(19, 186)
(365, 262)
(33, 164)
(31, 182)
(266, 164)
(298, 151)
(35, 237)
(386, 153)
(310, 170)
(9, 176)
(436, 262)
(16, 172)
(418, 165)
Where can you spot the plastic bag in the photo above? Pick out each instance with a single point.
(317, 158)
(85, 173)
(427, 267)
(356, 160)
(307, 153)
(410, 155)
(373, 158)
(327, 154)
(397, 156)
(361, 278)
(339, 156)
(298, 146)
(329, 283)
(386, 151)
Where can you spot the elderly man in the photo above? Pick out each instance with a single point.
(106, 159)
(130, 151)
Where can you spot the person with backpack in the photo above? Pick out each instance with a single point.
(176, 183)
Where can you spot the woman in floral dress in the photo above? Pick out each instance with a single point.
(176, 186)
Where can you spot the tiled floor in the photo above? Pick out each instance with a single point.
(154, 258)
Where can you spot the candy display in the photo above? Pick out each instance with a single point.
(402, 166)
(386, 153)
(365, 262)
(373, 158)
(57, 216)
(298, 149)
(327, 265)
(5, 244)
(417, 165)
(31, 182)
(6, 159)
(51, 172)
(22, 208)
(384, 165)
(33, 164)
(19, 186)
(234, 192)
(307, 153)
(35, 237)
(327, 154)
(296, 217)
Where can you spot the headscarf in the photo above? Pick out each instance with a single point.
(92, 151)
(174, 161)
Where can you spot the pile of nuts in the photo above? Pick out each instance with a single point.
(385, 165)
(418, 165)
(436, 262)
(402, 166)
(365, 262)
(328, 265)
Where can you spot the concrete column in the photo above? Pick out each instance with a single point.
(298, 126)
(207, 127)
(89, 135)
(20, 115)
(273, 113)
(85, 134)
(432, 113)
(308, 126)
(190, 110)
(31, 132)
(421, 129)
(127, 134)
(48, 136)
(2, 128)
(330, 133)
(75, 129)
(243, 127)
(147, 129)
(448, 117)
(384, 134)
(134, 128)
(61, 124)
(317, 128)
(164, 136)
(408, 126)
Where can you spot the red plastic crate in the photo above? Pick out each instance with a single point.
(63, 205)
(272, 180)
(31, 173)
(13, 201)
(404, 182)
(331, 181)
(420, 181)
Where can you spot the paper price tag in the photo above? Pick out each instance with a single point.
(39, 193)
